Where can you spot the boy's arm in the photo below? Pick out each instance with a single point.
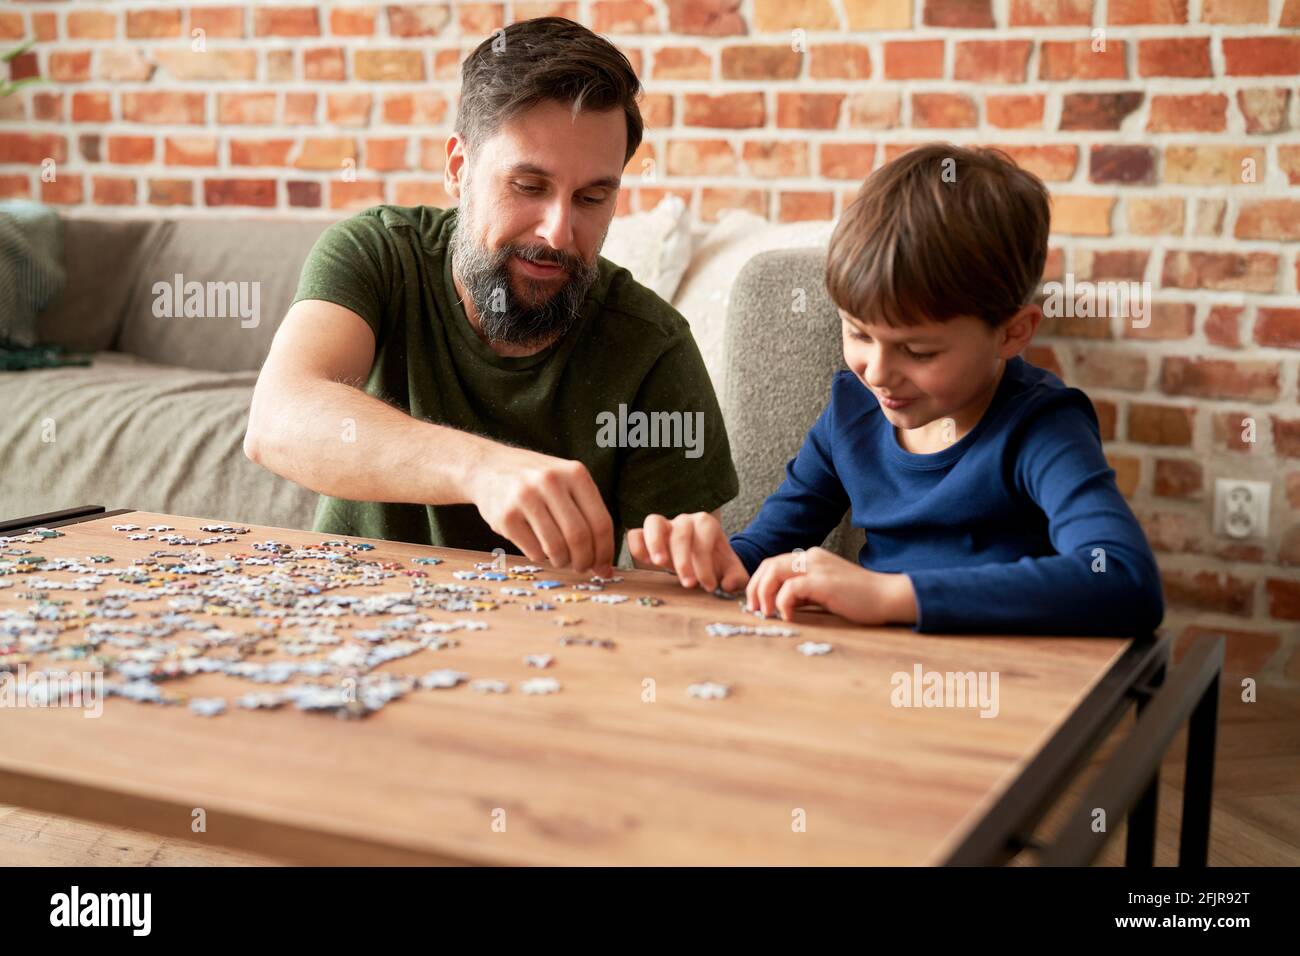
(806, 507)
(1104, 578)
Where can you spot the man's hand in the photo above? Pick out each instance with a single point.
(693, 546)
(817, 576)
(549, 507)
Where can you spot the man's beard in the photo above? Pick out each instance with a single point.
(546, 310)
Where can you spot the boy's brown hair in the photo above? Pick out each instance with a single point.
(545, 58)
(942, 231)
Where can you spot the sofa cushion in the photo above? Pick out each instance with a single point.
(126, 433)
(257, 258)
(100, 258)
(778, 369)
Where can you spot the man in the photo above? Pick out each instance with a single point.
(441, 374)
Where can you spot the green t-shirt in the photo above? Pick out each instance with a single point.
(392, 266)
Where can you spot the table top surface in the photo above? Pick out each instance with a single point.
(807, 761)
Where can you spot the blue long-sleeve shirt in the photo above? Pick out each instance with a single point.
(1016, 528)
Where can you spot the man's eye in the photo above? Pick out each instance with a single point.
(528, 190)
(593, 200)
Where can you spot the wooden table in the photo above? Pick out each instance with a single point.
(594, 774)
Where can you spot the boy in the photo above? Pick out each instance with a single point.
(980, 480)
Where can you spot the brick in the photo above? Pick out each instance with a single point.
(66, 190)
(91, 25)
(152, 24)
(1128, 472)
(418, 20)
(1150, 424)
(303, 194)
(157, 106)
(88, 146)
(1209, 217)
(805, 206)
(1076, 60)
(992, 61)
(299, 109)
(943, 111)
(421, 192)
(124, 64)
(1229, 431)
(782, 16)
(278, 21)
(1155, 216)
(1110, 368)
(1283, 599)
(1051, 13)
(15, 186)
(348, 109)
(11, 26)
(1107, 415)
(1129, 12)
(47, 106)
(966, 14)
(1278, 328)
(1220, 271)
(113, 191)
(1173, 532)
(1122, 164)
(682, 63)
(1082, 215)
(239, 192)
(33, 148)
(246, 108)
(1209, 591)
(773, 158)
(623, 16)
(701, 157)
(706, 17)
(190, 151)
(1223, 326)
(1265, 110)
(840, 61)
(130, 149)
(45, 26)
(171, 192)
(1277, 219)
(878, 14)
(218, 22)
(327, 63)
(446, 65)
(1177, 56)
(725, 111)
(846, 160)
(325, 153)
(1015, 111)
(260, 152)
(1290, 16)
(356, 195)
(808, 110)
(1129, 265)
(212, 64)
(873, 109)
(91, 108)
(1101, 111)
(1261, 56)
(1044, 357)
(1192, 113)
(424, 107)
(714, 201)
(657, 111)
(387, 154)
(280, 68)
(66, 66)
(1211, 165)
(1234, 11)
(774, 62)
(1244, 652)
(352, 22)
(1178, 478)
(1051, 163)
(1255, 381)
(913, 59)
(1166, 321)
(389, 65)
(1286, 437)
(433, 155)
(480, 19)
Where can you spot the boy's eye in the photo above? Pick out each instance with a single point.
(921, 356)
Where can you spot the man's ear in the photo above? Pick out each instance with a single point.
(454, 170)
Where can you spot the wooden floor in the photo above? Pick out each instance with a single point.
(1256, 818)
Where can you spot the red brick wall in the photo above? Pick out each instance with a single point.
(327, 107)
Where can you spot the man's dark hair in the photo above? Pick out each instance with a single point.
(941, 232)
(546, 58)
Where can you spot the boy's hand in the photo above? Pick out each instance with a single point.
(693, 546)
(817, 576)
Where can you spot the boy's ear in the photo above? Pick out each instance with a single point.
(1018, 331)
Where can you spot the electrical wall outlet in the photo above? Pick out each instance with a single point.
(1241, 508)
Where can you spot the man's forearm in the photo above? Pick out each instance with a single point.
(339, 441)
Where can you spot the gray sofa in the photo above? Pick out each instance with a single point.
(157, 421)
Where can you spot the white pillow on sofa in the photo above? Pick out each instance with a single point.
(722, 251)
(654, 246)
